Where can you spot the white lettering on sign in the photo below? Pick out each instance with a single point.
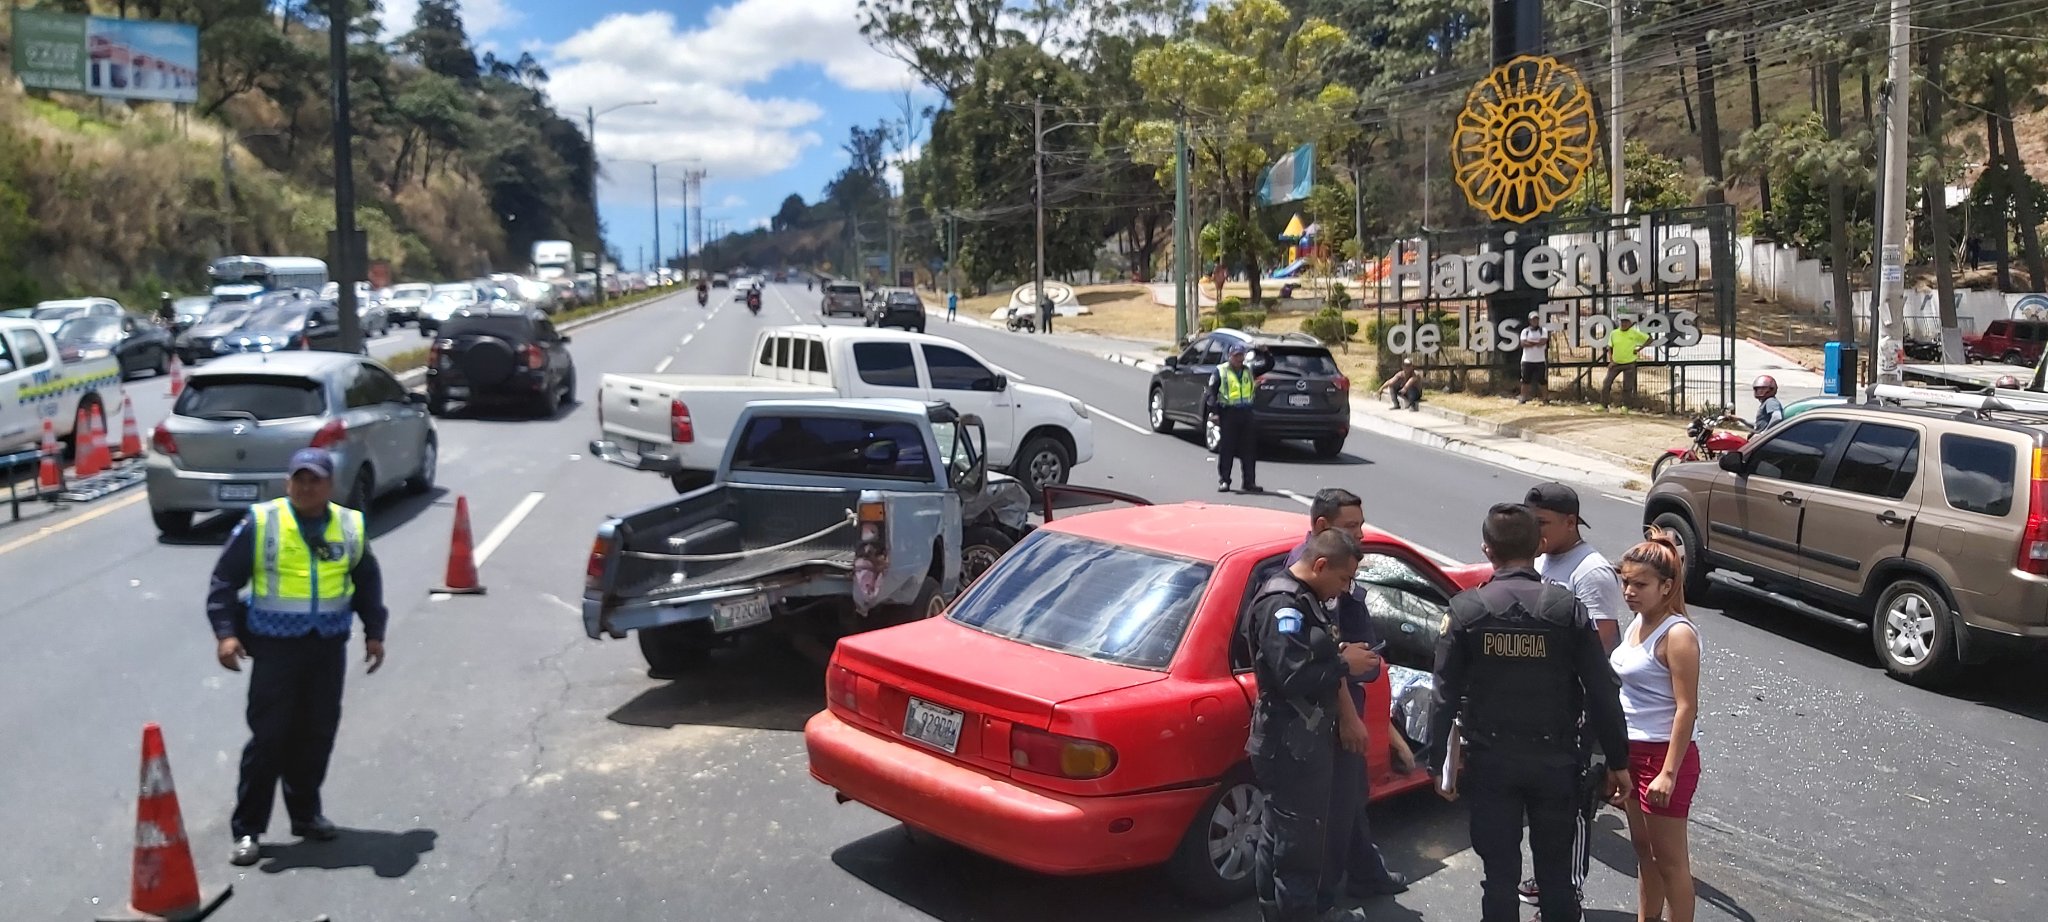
(1627, 264)
(1415, 335)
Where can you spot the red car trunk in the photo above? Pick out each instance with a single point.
(1009, 684)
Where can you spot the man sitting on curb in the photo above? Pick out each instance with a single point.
(1405, 383)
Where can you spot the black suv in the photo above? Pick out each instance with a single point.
(1300, 392)
(500, 356)
(897, 307)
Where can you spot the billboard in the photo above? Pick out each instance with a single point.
(120, 58)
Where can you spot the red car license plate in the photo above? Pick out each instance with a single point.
(932, 725)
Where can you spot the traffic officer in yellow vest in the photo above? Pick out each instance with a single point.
(1230, 408)
(306, 563)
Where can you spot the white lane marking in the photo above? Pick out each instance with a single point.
(504, 529)
(1112, 417)
(1440, 557)
(663, 366)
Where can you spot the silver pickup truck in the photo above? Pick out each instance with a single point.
(825, 517)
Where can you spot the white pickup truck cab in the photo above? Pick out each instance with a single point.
(37, 384)
(678, 424)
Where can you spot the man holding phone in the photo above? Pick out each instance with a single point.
(1351, 860)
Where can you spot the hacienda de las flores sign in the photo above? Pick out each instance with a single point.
(1425, 285)
(1521, 147)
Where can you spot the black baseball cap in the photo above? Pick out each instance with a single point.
(1554, 497)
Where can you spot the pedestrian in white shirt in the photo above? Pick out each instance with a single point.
(1535, 360)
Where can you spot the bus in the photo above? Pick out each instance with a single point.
(240, 278)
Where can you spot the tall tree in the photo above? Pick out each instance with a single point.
(440, 43)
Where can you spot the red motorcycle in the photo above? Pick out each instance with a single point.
(754, 300)
(1709, 441)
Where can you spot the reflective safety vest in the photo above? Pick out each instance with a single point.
(1234, 388)
(297, 587)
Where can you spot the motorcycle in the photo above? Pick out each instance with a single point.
(1020, 320)
(703, 297)
(754, 301)
(1922, 350)
(1709, 441)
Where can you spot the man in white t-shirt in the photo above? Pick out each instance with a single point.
(1535, 360)
(1569, 561)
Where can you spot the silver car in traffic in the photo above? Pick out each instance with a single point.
(231, 434)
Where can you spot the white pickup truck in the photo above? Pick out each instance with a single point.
(678, 424)
(37, 384)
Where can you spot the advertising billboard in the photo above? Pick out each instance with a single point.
(119, 58)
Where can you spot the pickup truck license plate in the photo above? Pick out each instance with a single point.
(932, 725)
(236, 492)
(731, 616)
(1298, 400)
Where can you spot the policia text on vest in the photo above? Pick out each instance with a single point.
(308, 575)
(1517, 666)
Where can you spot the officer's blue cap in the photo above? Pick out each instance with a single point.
(316, 460)
(1237, 349)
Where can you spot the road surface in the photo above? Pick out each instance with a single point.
(503, 766)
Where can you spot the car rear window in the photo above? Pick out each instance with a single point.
(905, 297)
(833, 445)
(517, 329)
(842, 289)
(1297, 361)
(1087, 598)
(258, 397)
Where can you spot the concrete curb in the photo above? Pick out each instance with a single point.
(1783, 356)
(418, 376)
(1538, 438)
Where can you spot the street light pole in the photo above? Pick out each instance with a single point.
(344, 249)
(1038, 132)
(1617, 161)
(590, 114)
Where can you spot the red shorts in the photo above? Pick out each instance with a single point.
(1646, 760)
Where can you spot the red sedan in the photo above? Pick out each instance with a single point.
(1084, 707)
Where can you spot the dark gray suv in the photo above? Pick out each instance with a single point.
(1300, 392)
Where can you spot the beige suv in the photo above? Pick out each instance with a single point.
(1925, 526)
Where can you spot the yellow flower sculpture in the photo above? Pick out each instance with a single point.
(1524, 140)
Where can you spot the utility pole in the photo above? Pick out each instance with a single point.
(1616, 160)
(1181, 330)
(654, 175)
(346, 248)
(1892, 251)
(1038, 198)
(683, 231)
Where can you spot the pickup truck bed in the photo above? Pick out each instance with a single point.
(657, 563)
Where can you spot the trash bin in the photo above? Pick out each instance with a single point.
(1831, 370)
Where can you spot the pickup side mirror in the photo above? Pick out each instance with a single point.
(1170, 362)
(416, 398)
(1734, 463)
(996, 383)
(565, 340)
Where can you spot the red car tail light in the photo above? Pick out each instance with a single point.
(535, 358)
(593, 571)
(330, 435)
(842, 688)
(2033, 557)
(680, 428)
(1065, 756)
(161, 440)
(1343, 383)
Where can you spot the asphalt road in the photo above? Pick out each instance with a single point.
(502, 766)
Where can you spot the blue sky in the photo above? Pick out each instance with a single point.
(760, 93)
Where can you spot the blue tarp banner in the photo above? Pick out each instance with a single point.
(1291, 178)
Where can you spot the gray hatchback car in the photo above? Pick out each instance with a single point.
(228, 439)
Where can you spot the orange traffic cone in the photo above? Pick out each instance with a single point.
(165, 885)
(461, 579)
(86, 453)
(177, 376)
(131, 435)
(102, 455)
(51, 477)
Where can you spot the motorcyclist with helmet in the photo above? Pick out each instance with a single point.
(1769, 411)
(703, 292)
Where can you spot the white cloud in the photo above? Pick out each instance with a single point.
(896, 162)
(479, 17)
(697, 78)
(732, 201)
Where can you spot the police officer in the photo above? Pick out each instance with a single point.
(1300, 668)
(1351, 859)
(1518, 662)
(309, 571)
(1229, 399)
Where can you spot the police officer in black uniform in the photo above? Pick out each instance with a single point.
(1300, 668)
(1517, 664)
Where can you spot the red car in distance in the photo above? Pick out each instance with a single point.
(1083, 707)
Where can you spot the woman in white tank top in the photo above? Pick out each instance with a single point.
(1658, 663)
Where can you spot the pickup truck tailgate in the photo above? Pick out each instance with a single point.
(692, 413)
